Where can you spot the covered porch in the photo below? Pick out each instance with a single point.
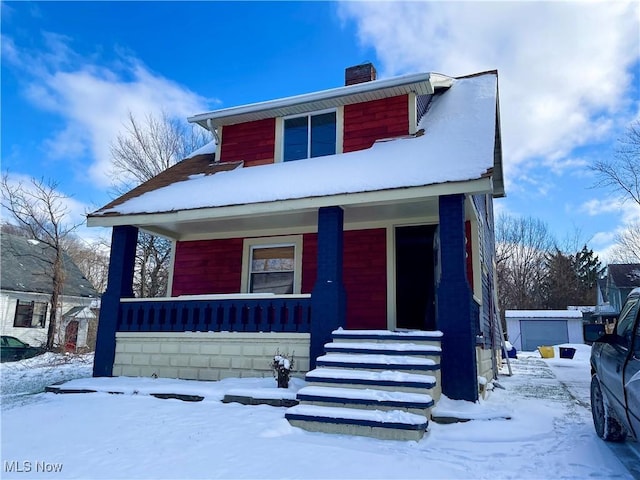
(316, 314)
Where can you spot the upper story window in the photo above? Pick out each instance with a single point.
(312, 135)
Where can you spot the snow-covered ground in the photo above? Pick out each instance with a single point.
(134, 435)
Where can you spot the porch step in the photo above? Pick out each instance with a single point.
(376, 383)
(377, 362)
(417, 403)
(392, 425)
(411, 349)
(388, 336)
(384, 380)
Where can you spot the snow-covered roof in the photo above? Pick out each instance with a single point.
(548, 314)
(458, 145)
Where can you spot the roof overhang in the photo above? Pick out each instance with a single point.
(360, 208)
(420, 83)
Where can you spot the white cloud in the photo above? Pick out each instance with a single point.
(94, 100)
(564, 66)
(72, 212)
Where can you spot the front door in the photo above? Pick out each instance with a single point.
(71, 336)
(415, 279)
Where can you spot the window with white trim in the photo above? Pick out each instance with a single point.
(272, 265)
(308, 136)
(30, 314)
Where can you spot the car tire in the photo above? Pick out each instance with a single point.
(607, 426)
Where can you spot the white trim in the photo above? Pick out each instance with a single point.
(391, 277)
(172, 266)
(291, 240)
(306, 229)
(480, 185)
(413, 113)
(217, 296)
(340, 129)
(422, 83)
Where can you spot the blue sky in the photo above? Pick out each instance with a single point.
(569, 78)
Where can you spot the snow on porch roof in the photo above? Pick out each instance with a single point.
(458, 145)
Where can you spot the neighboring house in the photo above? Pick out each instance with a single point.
(530, 329)
(25, 295)
(367, 207)
(620, 280)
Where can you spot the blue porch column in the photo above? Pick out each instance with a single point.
(119, 285)
(328, 298)
(454, 305)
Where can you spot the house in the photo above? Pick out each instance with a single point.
(359, 214)
(25, 295)
(620, 279)
(529, 329)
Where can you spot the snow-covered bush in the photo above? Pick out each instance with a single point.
(282, 366)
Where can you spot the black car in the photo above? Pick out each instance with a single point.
(615, 369)
(12, 349)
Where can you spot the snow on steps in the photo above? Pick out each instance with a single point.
(369, 382)
(388, 336)
(418, 403)
(391, 425)
(412, 349)
(377, 362)
(384, 380)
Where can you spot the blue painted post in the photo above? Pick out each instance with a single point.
(328, 298)
(454, 304)
(119, 285)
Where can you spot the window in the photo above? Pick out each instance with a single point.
(272, 269)
(309, 136)
(626, 321)
(272, 265)
(30, 314)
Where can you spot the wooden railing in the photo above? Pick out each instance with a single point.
(216, 313)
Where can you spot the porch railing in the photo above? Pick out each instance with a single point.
(216, 313)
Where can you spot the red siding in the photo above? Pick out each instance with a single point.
(214, 266)
(365, 276)
(366, 122)
(253, 142)
(207, 266)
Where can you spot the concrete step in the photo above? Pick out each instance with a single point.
(378, 362)
(384, 380)
(388, 425)
(388, 336)
(418, 403)
(386, 348)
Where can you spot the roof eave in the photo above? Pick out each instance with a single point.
(475, 186)
(421, 83)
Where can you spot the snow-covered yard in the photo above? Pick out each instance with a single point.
(134, 435)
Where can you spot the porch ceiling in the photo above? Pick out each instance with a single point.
(273, 223)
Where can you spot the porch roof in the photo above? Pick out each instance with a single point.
(455, 151)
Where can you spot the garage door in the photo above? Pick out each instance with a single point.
(542, 332)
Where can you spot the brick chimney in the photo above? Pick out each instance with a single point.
(359, 74)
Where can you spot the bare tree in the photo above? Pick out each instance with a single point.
(622, 173)
(522, 245)
(627, 244)
(92, 258)
(145, 149)
(40, 210)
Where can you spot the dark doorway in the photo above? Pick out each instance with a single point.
(415, 286)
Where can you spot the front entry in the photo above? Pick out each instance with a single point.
(415, 278)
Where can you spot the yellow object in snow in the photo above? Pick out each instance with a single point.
(546, 352)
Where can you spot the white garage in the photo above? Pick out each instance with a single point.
(529, 329)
